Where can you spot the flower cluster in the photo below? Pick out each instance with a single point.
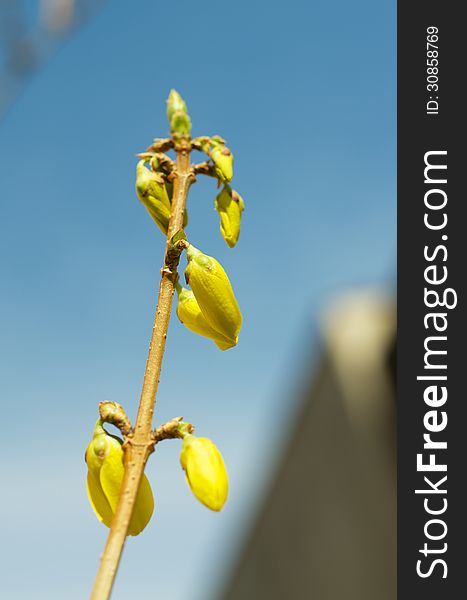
(104, 458)
(208, 308)
(200, 459)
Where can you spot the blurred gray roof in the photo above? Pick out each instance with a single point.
(327, 529)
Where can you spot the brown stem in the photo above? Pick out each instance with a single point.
(139, 445)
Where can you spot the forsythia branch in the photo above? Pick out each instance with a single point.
(118, 489)
(140, 443)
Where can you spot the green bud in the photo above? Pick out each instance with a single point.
(229, 204)
(175, 103)
(151, 191)
(152, 184)
(180, 123)
(177, 114)
(222, 159)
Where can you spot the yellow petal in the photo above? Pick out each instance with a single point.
(144, 508)
(152, 184)
(98, 500)
(96, 452)
(159, 213)
(205, 471)
(111, 477)
(223, 162)
(229, 204)
(104, 458)
(151, 191)
(189, 313)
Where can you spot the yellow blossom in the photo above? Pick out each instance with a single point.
(205, 471)
(189, 313)
(104, 458)
(214, 294)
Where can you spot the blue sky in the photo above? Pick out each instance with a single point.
(305, 95)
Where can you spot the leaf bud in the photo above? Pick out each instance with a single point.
(175, 103)
(180, 123)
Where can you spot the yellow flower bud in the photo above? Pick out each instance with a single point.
(189, 313)
(104, 458)
(205, 471)
(151, 191)
(214, 294)
(223, 161)
(230, 206)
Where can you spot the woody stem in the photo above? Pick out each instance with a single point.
(140, 443)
